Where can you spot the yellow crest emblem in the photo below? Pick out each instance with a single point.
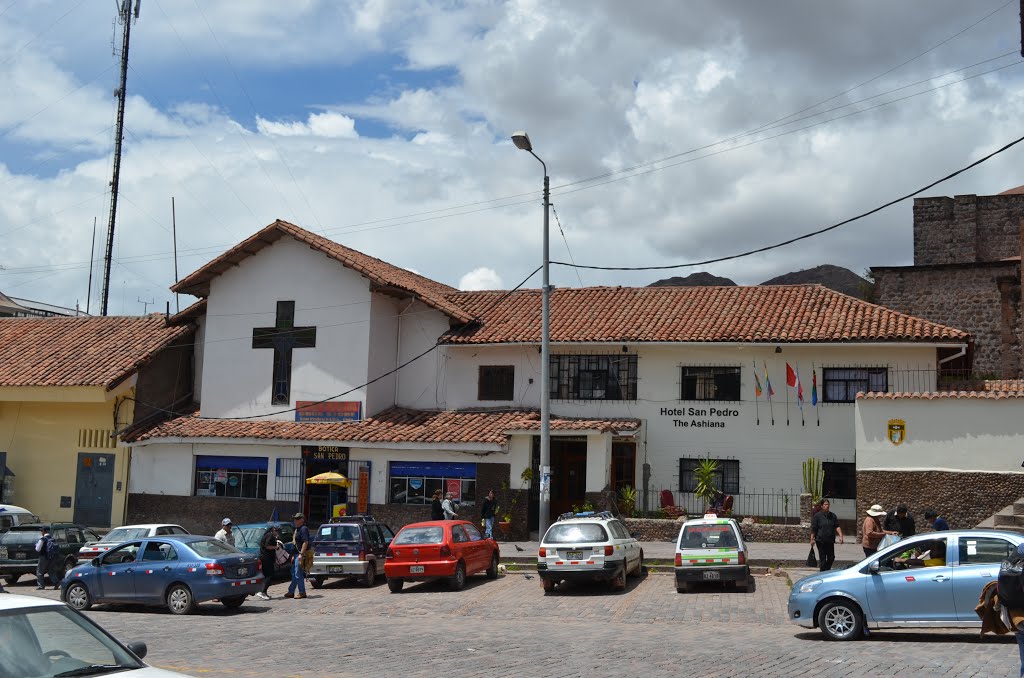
(897, 430)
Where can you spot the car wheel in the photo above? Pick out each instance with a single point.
(681, 588)
(618, 582)
(840, 620)
(395, 585)
(78, 597)
(69, 564)
(180, 600)
(639, 566)
(370, 576)
(316, 582)
(547, 585)
(232, 602)
(458, 580)
(492, 571)
(12, 579)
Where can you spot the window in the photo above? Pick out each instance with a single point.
(727, 478)
(984, 550)
(593, 377)
(841, 384)
(218, 476)
(710, 383)
(474, 534)
(459, 535)
(496, 382)
(414, 482)
(840, 480)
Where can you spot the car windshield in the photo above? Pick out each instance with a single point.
(338, 533)
(20, 537)
(572, 533)
(707, 537)
(212, 548)
(420, 535)
(121, 534)
(55, 641)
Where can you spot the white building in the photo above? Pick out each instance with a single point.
(660, 377)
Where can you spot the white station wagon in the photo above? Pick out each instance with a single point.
(588, 547)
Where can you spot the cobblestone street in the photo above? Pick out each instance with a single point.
(507, 627)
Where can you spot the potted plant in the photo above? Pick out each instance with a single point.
(704, 474)
(504, 514)
(627, 500)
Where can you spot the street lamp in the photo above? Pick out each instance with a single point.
(522, 142)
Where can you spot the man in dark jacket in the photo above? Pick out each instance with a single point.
(901, 522)
(824, 529)
(268, 559)
(487, 513)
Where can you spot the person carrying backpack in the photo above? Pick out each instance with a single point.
(49, 556)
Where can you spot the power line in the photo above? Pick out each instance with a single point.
(804, 236)
(571, 258)
(45, 30)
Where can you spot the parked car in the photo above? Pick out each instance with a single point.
(711, 550)
(891, 589)
(40, 637)
(440, 549)
(588, 547)
(247, 540)
(11, 515)
(350, 547)
(18, 549)
(125, 533)
(179, 572)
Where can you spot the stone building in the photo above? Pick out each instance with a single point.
(967, 274)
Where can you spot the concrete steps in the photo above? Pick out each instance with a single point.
(1010, 518)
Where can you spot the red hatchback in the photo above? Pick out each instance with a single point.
(449, 549)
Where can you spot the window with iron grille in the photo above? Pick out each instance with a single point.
(727, 478)
(593, 377)
(841, 384)
(496, 382)
(840, 480)
(710, 383)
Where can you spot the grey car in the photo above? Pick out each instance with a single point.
(929, 580)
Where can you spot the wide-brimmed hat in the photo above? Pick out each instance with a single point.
(876, 510)
(298, 516)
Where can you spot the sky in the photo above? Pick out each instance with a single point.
(673, 132)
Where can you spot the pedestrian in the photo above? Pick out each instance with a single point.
(937, 522)
(49, 555)
(436, 512)
(297, 587)
(448, 507)
(487, 513)
(225, 534)
(873, 531)
(901, 522)
(824, 529)
(268, 558)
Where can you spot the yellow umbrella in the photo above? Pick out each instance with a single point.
(329, 478)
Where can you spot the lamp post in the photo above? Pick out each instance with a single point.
(522, 142)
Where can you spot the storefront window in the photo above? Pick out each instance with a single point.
(414, 482)
(244, 477)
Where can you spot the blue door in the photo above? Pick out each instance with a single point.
(978, 560)
(155, 571)
(116, 573)
(94, 489)
(913, 593)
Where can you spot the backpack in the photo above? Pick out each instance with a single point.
(52, 549)
(1010, 586)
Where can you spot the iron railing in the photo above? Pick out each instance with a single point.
(770, 506)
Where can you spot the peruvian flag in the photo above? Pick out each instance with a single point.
(793, 380)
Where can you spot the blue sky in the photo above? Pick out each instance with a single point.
(384, 124)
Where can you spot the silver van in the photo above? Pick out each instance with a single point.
(11, 515)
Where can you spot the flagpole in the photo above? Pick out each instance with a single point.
(787, 394)
(814, 392)
(768, 391)
(799, 390)
(757, 408)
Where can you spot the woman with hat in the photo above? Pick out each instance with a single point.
(873, 532)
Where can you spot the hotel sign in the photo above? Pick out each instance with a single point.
(330, 411)
(698, 417)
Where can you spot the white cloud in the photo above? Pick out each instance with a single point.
(331, 125)
(482, 278)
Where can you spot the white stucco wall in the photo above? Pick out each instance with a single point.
(197, 355)
(948, 434)
(236, 378)
(383, 351)
(421, 383)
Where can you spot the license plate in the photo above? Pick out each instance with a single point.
(574, 555)
(712, 575)
(335, 569)
(20, 556)
(415, 569)
(242, 571)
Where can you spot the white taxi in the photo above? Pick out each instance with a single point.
(712, 550)
(588, 547)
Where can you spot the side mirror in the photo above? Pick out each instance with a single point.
(139, 649)
(95, 562)
(873, 567)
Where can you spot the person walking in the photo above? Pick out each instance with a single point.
(49, 554)
(436, 511)
(937, 522)
(297, 587)
(873, 533)
(225, 534)
(487, 513)
(268, 559)
(448, 507)
(824, 529)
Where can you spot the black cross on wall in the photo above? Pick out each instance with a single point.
(283, 337)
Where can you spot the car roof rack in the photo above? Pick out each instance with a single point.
(359, 517)
(586, 514)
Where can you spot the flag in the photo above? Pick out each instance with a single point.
(793, 380)
(814, 388)
(757, 386)
(768, 383)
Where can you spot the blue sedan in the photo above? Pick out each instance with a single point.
(179, 572)
(929, 580)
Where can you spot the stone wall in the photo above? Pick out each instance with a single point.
(202, 515)
(964, 499)
(983, 299)
(967, 228)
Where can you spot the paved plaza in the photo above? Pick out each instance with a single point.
(508, 628)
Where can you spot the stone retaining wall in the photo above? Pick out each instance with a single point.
(202, 515)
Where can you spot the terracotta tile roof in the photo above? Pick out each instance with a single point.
(397, 425)
(386, 277)
(188, 314)
(90, 351)
(773, 313)
(943, 395)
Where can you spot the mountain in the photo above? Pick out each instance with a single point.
(834, 277)
(694, 280)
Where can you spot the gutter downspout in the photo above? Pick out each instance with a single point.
(398, 349)
(962, 353)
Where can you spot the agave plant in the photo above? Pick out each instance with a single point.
(705, 474)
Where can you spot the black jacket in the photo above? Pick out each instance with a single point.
(436, 512)
(823, 526)
(487, 508)
(904, 526)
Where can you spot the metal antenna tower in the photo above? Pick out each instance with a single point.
(125, 17)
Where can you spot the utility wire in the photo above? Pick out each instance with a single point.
(806, 235)
(571, 258)
(33, 38)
